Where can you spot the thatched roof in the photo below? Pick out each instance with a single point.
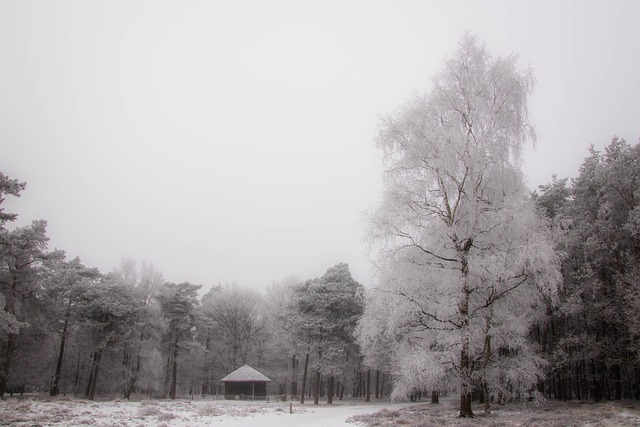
(245, 374)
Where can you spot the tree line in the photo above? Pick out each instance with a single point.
(66, 328)
(592, 336)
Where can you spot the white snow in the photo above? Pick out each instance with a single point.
(179, 413)
(63, 412)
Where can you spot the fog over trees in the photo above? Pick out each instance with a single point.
(484, 290)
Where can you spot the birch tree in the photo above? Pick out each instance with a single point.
(465, 260)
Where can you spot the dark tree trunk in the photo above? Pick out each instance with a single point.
(463, 308)
(6, 364)
(174, 371)
(167, 375)
(585, 381)
(304, 378)
(88, 389)
(76, 380)
(486, 399)
(134, 371)
(465, 405)
(597, 391)
(636, 388)
(294, 378)
(330, 390)
(55, 390)
(617, 386)
(368, 394)
(603, 382)
(94, 374)
(377, 384)
(316, 394)
(435, 399)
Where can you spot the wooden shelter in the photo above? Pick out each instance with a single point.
(245, 383)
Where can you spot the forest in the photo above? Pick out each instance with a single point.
(486, 289)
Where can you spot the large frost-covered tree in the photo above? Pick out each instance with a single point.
(465, 260)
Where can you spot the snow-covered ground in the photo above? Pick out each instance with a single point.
(44, 412)
(550, 413)
(158, 413)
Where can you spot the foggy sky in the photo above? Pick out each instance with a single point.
(234, 141)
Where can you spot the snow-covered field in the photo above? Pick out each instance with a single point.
(550, 413)
(43, 412)
(76, 412)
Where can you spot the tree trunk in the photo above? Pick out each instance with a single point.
(330, 390)
(304, 378)
(294, 378)
(88, 389)
(617, 386)
(465, 366)
(435, 399)
(55, 390)
(316, 394)
(597, 391)
(174, 371)
(486, 399)
(76, 379)
(368, 395)
(465, 405)
(167, 375)
(94, 374)
(6, 364)
(377, 384)
(134, 371)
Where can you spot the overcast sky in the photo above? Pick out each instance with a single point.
(233, 141)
